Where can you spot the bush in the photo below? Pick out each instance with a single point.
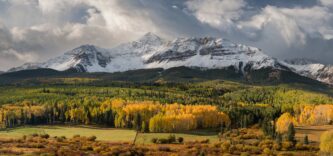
(164, 148)
(267, 151)
(180, 139)
(245, 154)
(276, 146)
(326, 142)
(252, 149)
(34, 135)
(97, 149)
(45, 136)
(60, 139)
(300, 146)
(92, 138)
(206, 141)
(287, 145)
(306, 140)
(225, 146)
(163, 141)
(172, 138)
(154, 140)
(87, 148)
(76, 136)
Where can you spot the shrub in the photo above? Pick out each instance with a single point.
(180, 139)
(285, 154)
(306, 140)
(252, 149)
(97, 149)
(163, 141)
(172, 138)
(291, 133)
(287, 145)
(299, 146)
(34, 135)
(276, 146)
(248, 136)
(76, 136)
(60, 139)
(92, 138)
(245, 154)
(267, 151)
(326, 142)
(164, 148)
(154, 140)
(239, 147)
(87, 148)
(225, 145)
(45, 136)
(206, 141)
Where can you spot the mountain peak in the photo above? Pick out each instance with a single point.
(83, 49)
(150, 38)
(150, 51)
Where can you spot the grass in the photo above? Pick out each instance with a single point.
(105, 134)
(199, 135)
(313, 132)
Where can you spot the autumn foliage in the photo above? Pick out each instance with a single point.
(326, 142)
(283, 122)
(143, 116)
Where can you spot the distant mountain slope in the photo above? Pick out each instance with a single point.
(265, 76)
(151, 51)
(311, 69)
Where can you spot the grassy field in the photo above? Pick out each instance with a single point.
(198, 135)
(313, 132)
(104, 134)
(126, 135)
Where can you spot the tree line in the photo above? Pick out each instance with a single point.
(144, 116)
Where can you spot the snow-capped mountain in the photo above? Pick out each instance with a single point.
(311, 68)
(151, 51)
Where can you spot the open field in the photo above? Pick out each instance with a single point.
(313, 132)
(104, 134)
(190, 136)
(126, 135)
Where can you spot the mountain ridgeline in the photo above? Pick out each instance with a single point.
(152, 58)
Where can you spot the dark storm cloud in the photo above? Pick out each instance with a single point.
(35, 30)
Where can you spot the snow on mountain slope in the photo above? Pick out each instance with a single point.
(151, 51)
(311, 69)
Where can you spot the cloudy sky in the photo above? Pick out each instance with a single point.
(36, 30)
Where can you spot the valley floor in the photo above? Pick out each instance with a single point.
(104, 134)
(78, 140)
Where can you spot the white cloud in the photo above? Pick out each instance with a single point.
(47, 28)
(276, 20)
(26, 56)
(217, 13)
(293, 24)
(328, 3)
